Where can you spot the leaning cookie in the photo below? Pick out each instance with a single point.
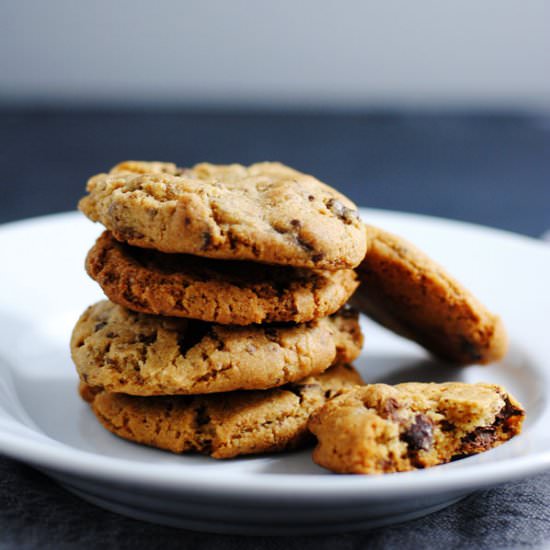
(380, 429)
(123, 351)
(219, 291)
(266, 212)
(410, 294)
(225, 425)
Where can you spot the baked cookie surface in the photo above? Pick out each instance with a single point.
(123, 351)
(224, 425)
(266, 212)
(404, 290)
(220, 291)
(379, 428)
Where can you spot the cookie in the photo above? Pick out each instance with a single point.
(410, 294)
(219, 291)
(224, 425)
(266, 212)
(379, 428)
(123, 351)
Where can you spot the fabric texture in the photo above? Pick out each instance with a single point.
(37, 513)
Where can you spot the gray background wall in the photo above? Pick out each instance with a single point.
(305, 53)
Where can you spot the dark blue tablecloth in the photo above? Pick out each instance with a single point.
(490, 169)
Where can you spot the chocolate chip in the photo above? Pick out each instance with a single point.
(419, 435)
(296, 223)
(346, 214)
(100, 325)
(507, 411)
(310, 198)
(478, 440)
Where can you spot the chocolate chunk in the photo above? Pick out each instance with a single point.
(479, 440)
(507, 411)
(419, 435)
(100, 325)
(296, 223)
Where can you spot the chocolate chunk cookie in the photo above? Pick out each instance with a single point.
(220, 291)
(410, 294)
(224, 425)
(266, 212)
(379, 428)
(123, 351)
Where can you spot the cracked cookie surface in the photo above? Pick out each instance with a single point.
(225, 425)
(380, 428)
(220, 291)
(266, 212)
(138, 354)
(406, 291)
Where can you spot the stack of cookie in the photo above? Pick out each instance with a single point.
(226, 331)
(226, 325)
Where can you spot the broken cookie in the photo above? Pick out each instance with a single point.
(379, 428)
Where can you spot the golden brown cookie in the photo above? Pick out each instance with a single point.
(123, 351)
(219, 291)
(224, 425)
(379, 428)
(410, 294)
(266, 212)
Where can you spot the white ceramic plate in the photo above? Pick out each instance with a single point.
(44, 423)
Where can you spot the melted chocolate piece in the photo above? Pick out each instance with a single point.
(419, 435)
